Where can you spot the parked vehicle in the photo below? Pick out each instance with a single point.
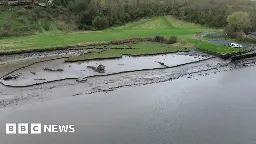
(234, 45)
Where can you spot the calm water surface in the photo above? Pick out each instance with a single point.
(217, 109)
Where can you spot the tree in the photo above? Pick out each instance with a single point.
(100, 22)
(127, 17)
(62, 2)
(239, 22)
(118, 23)
(85, 18)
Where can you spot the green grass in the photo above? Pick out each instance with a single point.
(124, 46)
(187, 25)
(167, 22)
(47, 41)
(158, 23)
(132, 24)
(95, 55)
(143, 48)
(6, 16)
(163, 26)
(214, 48)
(17, 22)
(51, 40)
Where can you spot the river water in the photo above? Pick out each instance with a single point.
(215, 109)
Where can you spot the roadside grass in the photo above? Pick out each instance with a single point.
(143, 48)
(215, 49)
(159, 26)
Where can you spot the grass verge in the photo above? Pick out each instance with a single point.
(214, 49)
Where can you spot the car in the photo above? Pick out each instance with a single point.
(234, 45)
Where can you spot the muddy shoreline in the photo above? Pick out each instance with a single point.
(213, 109)
(94, 76)
(45, 90)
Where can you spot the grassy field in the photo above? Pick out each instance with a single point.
(143, 48)
(163, 26)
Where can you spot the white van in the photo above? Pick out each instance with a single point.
(234, 45)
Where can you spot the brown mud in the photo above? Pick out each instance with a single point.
(37, 85)
(44, 69)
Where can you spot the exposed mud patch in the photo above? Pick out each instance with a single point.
(77, 81)
(109, 83)
(35, 55)
(37, 70)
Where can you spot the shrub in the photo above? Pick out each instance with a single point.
(63, 26)
(84, 27)
(231, 30)
(118, 23)
(100, 23)
(182, 42)
(46, 25)
(6, 31)
(85, 18)
(240, 36)
(127, 17)
(251, 38)
(172, 40)
(159, 39)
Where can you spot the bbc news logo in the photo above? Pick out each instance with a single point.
(37, 128)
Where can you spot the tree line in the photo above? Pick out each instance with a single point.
(236, 16)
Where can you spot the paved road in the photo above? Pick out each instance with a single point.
(226, 42)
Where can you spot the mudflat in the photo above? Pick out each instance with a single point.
(217, 108)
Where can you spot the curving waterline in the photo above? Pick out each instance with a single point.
(160, 81)
(31, 65)
(122, 72)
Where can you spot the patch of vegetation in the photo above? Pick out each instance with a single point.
(239, 25)
(154, 23)
(218, 50)
(159, 39)
(124, 46)
(100, 23)
(182, 24)
(172, 40)
(108, 54)
(144, 48)
(100, 14)
(168, 35)
(251, 38)
(63, 39)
